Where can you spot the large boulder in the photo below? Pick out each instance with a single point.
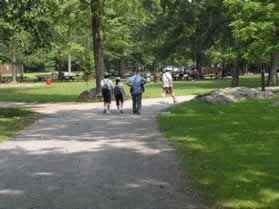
(88, 94)
(234, 95)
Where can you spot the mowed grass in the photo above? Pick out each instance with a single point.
(70, 91)
(40, 92)
(13, 120)
(230, 150)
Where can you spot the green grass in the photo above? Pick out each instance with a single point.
(230, 150)
(13, 120)
(40, 92)
(69, 91)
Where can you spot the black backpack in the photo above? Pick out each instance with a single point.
(105, 87)
(117, 90)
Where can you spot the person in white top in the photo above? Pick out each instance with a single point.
(168, 85)
(107, 88)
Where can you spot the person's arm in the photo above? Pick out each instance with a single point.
(111, 86)
(102, 83)
(164, 78)
(123, 90)
(143, 81)
(171, 79)
(129, 83)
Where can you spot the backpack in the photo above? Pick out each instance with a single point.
(105, 87)
(118, 90)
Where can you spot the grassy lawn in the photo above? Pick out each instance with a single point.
(11, 121)
(40, 92)
(231, 151)
(69, 91)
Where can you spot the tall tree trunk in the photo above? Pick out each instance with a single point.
(14, 70)
(21, 71)
(69, 64)
(236, 66)
(198, 60)
(263, 77)
(274, 68)
(122, 66)
(235, 74)
(98, 45)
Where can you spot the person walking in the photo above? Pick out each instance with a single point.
(168, 85)
(136, 82)
(119, 94)
(107, 87)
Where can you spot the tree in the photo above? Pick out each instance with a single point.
(24, 27)
(255, 24)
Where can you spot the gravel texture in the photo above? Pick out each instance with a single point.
(74, 157)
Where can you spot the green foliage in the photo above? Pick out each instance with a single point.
(147, 33)
(255, 24)
(25, 25)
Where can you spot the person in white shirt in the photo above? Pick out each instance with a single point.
(107, 88)
(168, 85)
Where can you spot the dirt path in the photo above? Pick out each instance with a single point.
(74, 157)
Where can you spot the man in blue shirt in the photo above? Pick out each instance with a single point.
(136, 82)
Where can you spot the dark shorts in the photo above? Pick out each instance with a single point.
(168, 90)
(107, 96)
(119, 99)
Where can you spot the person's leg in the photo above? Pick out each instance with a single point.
(105, 107)
(134, 103)
(108, 108)
(139, 101)
(109, 102)
(164, 92)
(105, 95)
(172, 95)
(117, 103)
(121, 104)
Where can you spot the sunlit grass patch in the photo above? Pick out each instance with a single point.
(70, 91)
(231, 150)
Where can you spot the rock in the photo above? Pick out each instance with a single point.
(88, 94)
(275, 104)
(165, 113)
(234, 95)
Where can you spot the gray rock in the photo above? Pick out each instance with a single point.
(275, 104)
(229, 95)
(88, 94)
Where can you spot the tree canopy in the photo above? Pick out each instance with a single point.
(112, 35)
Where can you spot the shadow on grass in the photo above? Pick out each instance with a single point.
(12, 120)
(232, 150)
